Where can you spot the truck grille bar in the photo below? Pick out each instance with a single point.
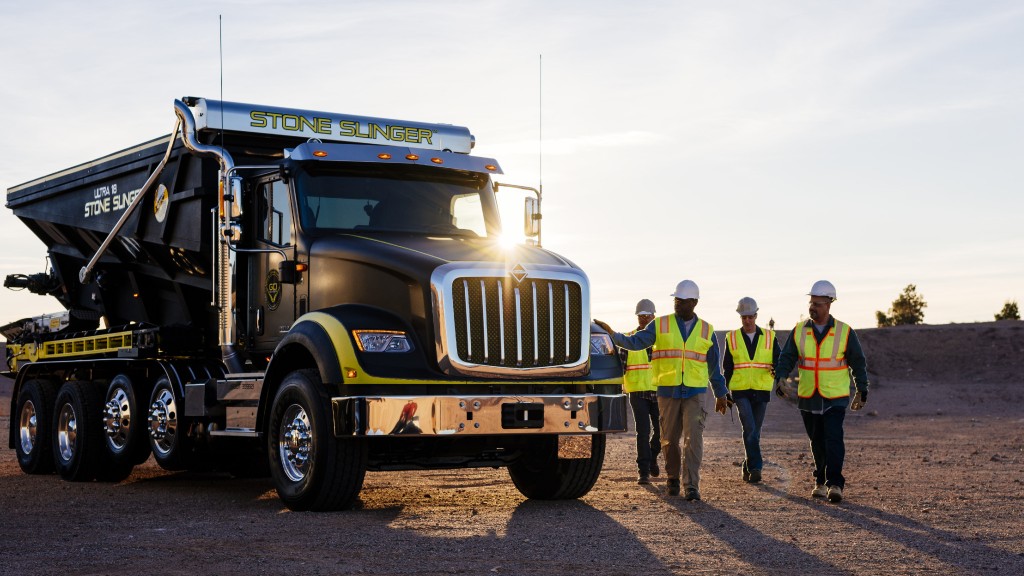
(540, 319)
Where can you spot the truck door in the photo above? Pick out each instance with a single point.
(272, 302)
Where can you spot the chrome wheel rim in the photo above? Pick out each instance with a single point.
(163, 422)
(117, 420)
(27, 422)
(295, 443)
(67, 432)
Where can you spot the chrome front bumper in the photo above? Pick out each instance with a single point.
(460, 415)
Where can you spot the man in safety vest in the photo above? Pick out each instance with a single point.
(827, 353)
(686, 356)
(749, 366)
(638, 382)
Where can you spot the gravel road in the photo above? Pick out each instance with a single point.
(934, 483)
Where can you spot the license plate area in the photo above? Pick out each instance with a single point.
(520, 415)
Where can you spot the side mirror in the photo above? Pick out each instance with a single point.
(290, 271)
(531, 217)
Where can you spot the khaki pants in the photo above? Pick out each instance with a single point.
(683, 418)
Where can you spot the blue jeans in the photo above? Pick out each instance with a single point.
(751, 417)
(648, 431)
(826, 434)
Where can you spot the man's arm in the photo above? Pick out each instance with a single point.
(727, 363)
(715, 369)
(642, 340)
(787, 358)
(858, 363)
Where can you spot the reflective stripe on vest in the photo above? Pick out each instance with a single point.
(751, 373)
(637, 377)
(676, 361)
(823, 367)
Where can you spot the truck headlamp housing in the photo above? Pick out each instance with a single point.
(382, 341)
(601, 344)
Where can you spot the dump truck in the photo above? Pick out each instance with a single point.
(307, 295)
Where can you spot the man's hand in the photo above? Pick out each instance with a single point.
(722, 405)
(859, 400)
(604, 327)
(779, 390)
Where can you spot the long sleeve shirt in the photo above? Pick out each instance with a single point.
(728, 366)
(645, 338)
(855, 359)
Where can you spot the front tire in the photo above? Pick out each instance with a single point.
(78, 431)
(541, 475)
(311, 468)
(34, 413)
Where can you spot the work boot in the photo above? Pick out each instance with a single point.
(692, 494)
(819, 491)
(643, 479)
(755, 476)
(655, 471)
(746, 474)
(673, 487)
(835, 494)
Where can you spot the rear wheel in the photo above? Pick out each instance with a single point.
(540, 474)
(78, 431)
(312, 469)
(126, 442)
(168, 429)
(34, 413)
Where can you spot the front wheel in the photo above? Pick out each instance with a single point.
(312, 469)
(540, 474)
(34, 412)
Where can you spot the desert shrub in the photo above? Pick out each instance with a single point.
(907, 308)
(1009, 311)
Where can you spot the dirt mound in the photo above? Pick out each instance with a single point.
(981, 352)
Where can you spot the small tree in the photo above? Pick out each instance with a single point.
(907, 308)
(1009, 311)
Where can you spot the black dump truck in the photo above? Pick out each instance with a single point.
(305, 294)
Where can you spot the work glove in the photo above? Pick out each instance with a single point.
(859, 400)
(721, 405)
(779, 390)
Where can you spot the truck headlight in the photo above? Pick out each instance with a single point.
(382, 341)
(601, 344)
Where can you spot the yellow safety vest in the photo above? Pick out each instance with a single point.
(823, 367)
(676, 361)
(751, 373)
(637, 377)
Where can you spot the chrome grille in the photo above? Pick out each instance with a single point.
(534, 323)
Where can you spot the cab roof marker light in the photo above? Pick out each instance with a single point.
(320, 153)
(412, 157)
(491, 167)
(384, 156)
(437, 161)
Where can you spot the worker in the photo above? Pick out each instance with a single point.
(749, 366)
(827, 353)
(685, 358)
(638, 383)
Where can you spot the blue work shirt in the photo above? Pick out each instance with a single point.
(645, 338)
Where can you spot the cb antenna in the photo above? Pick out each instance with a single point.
(540, 125)
(220, 42)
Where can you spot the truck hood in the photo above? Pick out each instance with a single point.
(421, 252)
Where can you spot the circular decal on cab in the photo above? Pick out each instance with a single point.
(273, 289)
(161, 203)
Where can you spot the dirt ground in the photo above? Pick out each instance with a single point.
(935, 465)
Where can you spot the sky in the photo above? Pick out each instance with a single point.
(752, 147)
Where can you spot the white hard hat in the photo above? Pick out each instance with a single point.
(747, 306)
(687, 289)
(823, 288)
(645, 306)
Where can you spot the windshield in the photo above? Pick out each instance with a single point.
(394, 198)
